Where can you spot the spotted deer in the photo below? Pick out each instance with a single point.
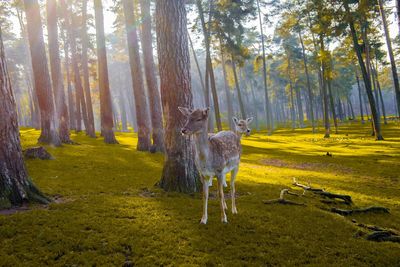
(216, 155)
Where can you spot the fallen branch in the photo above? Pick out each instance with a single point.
(373, 209)
(282, 200)
(322, 192)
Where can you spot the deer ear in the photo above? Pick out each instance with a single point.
(185, 111)
(235, 120)
(248, 120)
(206, 111)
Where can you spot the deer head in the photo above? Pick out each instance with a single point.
(242, 126)
(196, 120)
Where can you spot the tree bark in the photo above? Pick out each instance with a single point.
(90, 131)
(142, 111)
(106, 112)
(179, 172)
(367, 82)
(390, 51)
(151, 80)
(228, 93)
(56, 77)
(41, 75)
(15, 185)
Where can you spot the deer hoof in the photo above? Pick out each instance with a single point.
(224, 220)
(234, 210)
(203, 220)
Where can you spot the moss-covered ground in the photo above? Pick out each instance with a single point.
(110, 212)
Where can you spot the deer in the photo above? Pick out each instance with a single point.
(215, 155)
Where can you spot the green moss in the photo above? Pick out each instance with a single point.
(111, 212)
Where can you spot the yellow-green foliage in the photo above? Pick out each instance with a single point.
(111, 210)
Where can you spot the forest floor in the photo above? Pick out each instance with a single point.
(109, 212)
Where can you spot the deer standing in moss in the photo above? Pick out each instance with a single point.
(216, 155)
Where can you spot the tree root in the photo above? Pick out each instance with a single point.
(346, 198)
(373, 209)
(379, 234)
(282, 200)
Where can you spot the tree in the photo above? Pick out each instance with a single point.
(85, 71)
(151, 80)
(56, 77)
(106, 112)
(267, 104)
(15, 185)
(179, 172)
(391, 56)
(209, 68)
(41, 74)
(367, 81)
(142, 111)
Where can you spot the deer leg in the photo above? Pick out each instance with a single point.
(233, 192)
(222, 198)
(205, 201)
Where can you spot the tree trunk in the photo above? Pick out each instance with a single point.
(267, 102)
(90, 131)
(228, 93)
(49, 134)
(351, 108)
(324, 92)
(152, 86)
(210, 70)
(360, 98)
(390, 51)
(241, 104)
(398, 13)
(56, 77)
(142, 111)
(179, 172)
(309, 91)
(71, 103)
(332, 105)
(375, 73)
(367, 81)
(106, 112)
(15, 185)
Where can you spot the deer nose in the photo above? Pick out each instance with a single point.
(248, 131)
(183, 131)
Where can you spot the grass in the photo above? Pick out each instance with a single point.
(111, 212)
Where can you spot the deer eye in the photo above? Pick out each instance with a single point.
(199, 119)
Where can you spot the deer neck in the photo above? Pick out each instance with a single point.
(202, 146)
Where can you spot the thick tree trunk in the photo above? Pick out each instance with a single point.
(367, 81)
(179, 172)
(267, 102)
(151, 80)
(142, 110)
(15, 185)
(106, 112)
(390, 51)
(90, 131)
(300, 108)
(49, 134)
(209, 69)
(56, 77)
